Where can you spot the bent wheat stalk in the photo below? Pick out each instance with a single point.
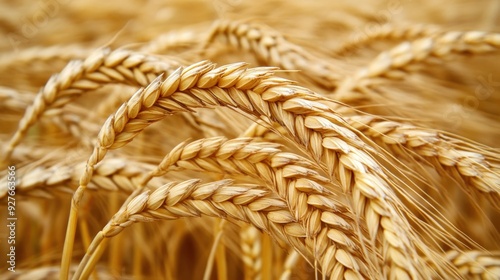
(218, 199)
(470, 168)
(288, 175)
(408, 53)
(389, 31)
(312, 124)
(273, 49)
(102, 66)
(476, 264)
(112, 174)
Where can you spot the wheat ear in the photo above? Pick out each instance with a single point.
(288, 175)
(274, 49)
(312, 124)
(14, 100)
(251, 249)
(470, 168)
(289, 265)
(102, 66)
(388, 31)
(475, 264)
(27, 57)
(245, 203)
(112, 174)
(171, 41)
(408, 53)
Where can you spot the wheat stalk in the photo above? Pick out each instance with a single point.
(476, 264)
(286, 174)
(315, 134)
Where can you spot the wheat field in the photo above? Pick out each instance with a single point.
(233, 139)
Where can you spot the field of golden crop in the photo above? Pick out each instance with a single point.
(235, 139)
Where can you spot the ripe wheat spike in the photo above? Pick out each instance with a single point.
(233, 139)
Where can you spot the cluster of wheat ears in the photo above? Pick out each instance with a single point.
(251, 140)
